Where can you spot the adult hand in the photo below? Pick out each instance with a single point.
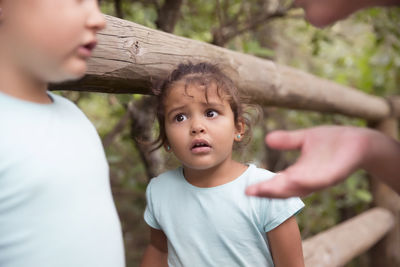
(329, 154)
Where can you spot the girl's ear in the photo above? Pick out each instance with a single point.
(240, 128)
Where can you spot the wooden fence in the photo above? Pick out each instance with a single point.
(131, 56)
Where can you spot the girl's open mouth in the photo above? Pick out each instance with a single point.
(200, 146)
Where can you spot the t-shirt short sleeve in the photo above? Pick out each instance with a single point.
(277, 211)
(149, 211)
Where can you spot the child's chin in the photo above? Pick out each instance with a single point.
(69, 75)
(66, 78)
(76, 76)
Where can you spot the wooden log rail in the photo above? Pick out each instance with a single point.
(130, 57)
(341, 243)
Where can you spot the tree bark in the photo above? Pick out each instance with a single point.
(118, 9)
(109, 138)
(142, 116)
(225, 33)
(131, 57)
(338, 245)
(168, 15)
(273, 160)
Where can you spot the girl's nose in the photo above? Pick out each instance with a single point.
(197, 127)
(197, 130)
(96, 20)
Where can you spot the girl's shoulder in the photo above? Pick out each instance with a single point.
(257, 174)
(167, 178)
(165, 186)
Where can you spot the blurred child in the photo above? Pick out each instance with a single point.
(198, 214)
(56, 207)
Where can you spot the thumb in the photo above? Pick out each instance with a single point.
(277, 187)
(285, 140)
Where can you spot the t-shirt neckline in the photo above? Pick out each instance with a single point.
(218, 187)
(27, 102)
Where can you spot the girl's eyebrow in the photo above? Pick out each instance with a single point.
(209, 104)
(175, 109)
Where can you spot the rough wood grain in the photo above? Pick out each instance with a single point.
(131, 56)
(338, 245)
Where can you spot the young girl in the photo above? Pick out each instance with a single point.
(56, 207)
(198, 214)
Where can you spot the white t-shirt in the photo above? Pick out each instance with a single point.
(217, 226)
(56, 207)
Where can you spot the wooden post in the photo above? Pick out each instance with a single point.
(387, 251)
(341, 243)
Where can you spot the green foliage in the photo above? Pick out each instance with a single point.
(362, 52)
(254, 48)
(327, 208)
(197, 19)
(140, 13)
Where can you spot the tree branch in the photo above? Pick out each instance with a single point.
(168, 15)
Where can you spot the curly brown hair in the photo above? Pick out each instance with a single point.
(201, 74)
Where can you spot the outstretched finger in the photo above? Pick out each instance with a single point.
(277, 187)
(285, 140)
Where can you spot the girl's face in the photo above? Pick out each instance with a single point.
(200, 132)
(50, 40)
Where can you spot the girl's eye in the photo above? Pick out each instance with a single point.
(211, 114)
(180, 117)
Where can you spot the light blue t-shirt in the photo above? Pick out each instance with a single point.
(217, 226)
(56, 207)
